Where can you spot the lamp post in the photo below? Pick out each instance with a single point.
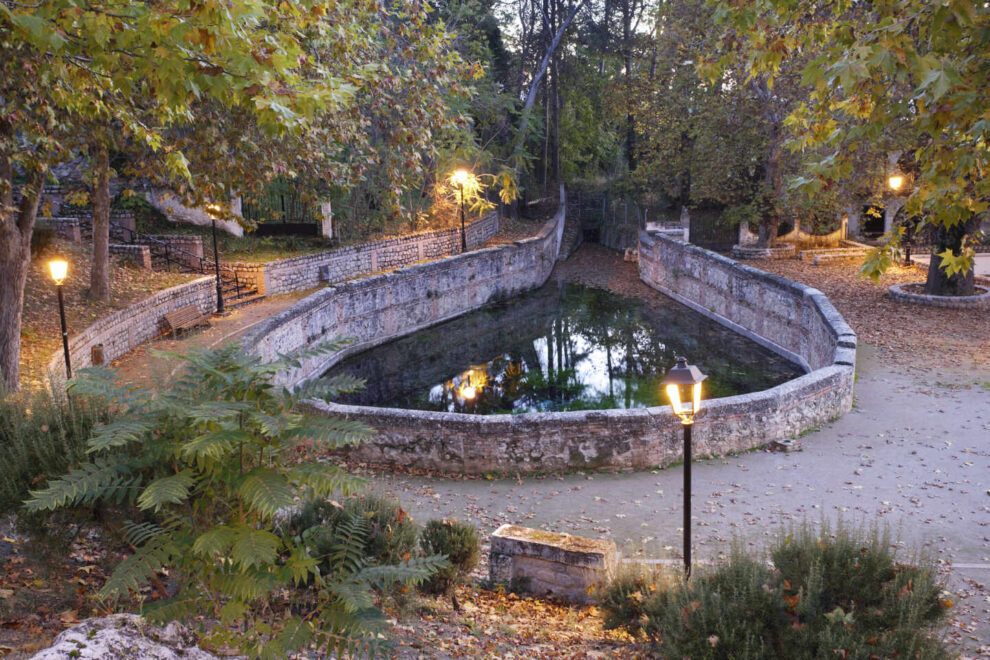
(895, 182)
(683, 384)
(59, 269)
(460, 179)
(214, 209)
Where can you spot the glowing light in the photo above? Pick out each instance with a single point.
(895, 181)
(460, 177)
(683, 385)
(59, 269)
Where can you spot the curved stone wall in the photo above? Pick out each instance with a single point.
(796, 321)
(375, 309)
(125, 329)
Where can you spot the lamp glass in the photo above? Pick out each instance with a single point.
(469, 392)
(59, 269)
(459, 178)
(895, 181)
(696, 396)
(674, 394)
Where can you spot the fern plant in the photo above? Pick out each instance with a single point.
(211, 461)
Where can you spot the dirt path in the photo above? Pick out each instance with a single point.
(141, 366)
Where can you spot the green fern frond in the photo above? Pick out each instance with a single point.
(137, 534)
(347, 551)
(118, 433)
(246, 586)
(218, 412)
(212, 447)
(137, 569)
(254, 547)
(295, 634)
(266, 491)
(105, 476)
(325, 479)
(352, 593)
(300, 565)
(214, 542)
(411, 572)
(102, 382)
(275, 425)
(172, 489)
(331, 432)
(172, 609)
(329, 387)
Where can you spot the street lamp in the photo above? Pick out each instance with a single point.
(895, 181)
(683, 384)
(460, 179)
(214, 210)
(59, 269)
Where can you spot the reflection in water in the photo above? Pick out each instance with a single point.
(562, 347)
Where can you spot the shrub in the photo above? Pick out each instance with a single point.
(838, 594)
(41, 437)
(458, 541)
(205, 461)
(392, 535)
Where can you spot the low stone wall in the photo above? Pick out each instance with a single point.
(375, 309)
(311, 270)
(125, 329)
(546, 563)
(779, 251)
(899, 293)
(139, 255)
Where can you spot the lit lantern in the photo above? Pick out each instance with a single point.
(895, 181)
(683, 384)
(59, 269)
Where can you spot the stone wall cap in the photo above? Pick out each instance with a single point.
(551, 545)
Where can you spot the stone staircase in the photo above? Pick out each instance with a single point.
(164, 256)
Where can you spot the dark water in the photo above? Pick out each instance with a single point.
(561, 347)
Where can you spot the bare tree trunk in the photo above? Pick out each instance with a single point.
(541, 71)
(99, 274)
(16, 226)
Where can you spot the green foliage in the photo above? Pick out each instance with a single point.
(212, 461)
(905, 79)
(827, 593)
(391, 536)
(458, 542)
(42, 437)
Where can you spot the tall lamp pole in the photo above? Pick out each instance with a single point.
(683, 384)
(459, 179)
(214, 209)
(59, 269)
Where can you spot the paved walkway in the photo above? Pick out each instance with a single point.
(142, 367)
(981, 262)
(913, 456)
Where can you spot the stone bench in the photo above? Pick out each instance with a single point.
(546, 563)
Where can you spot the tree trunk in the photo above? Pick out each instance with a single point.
(940, 284)
(99, 274)
(15, 259)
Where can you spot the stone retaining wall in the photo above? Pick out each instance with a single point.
(127, 328)
(378, 308)
(311, 270)
(139, 255)
(796, 321)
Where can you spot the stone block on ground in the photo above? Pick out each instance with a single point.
(546, 563)
(124, 637)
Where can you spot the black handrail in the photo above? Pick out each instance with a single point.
(202, 264)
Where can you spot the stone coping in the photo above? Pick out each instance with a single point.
(898, 293)
(563, 548)
(753, 252)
